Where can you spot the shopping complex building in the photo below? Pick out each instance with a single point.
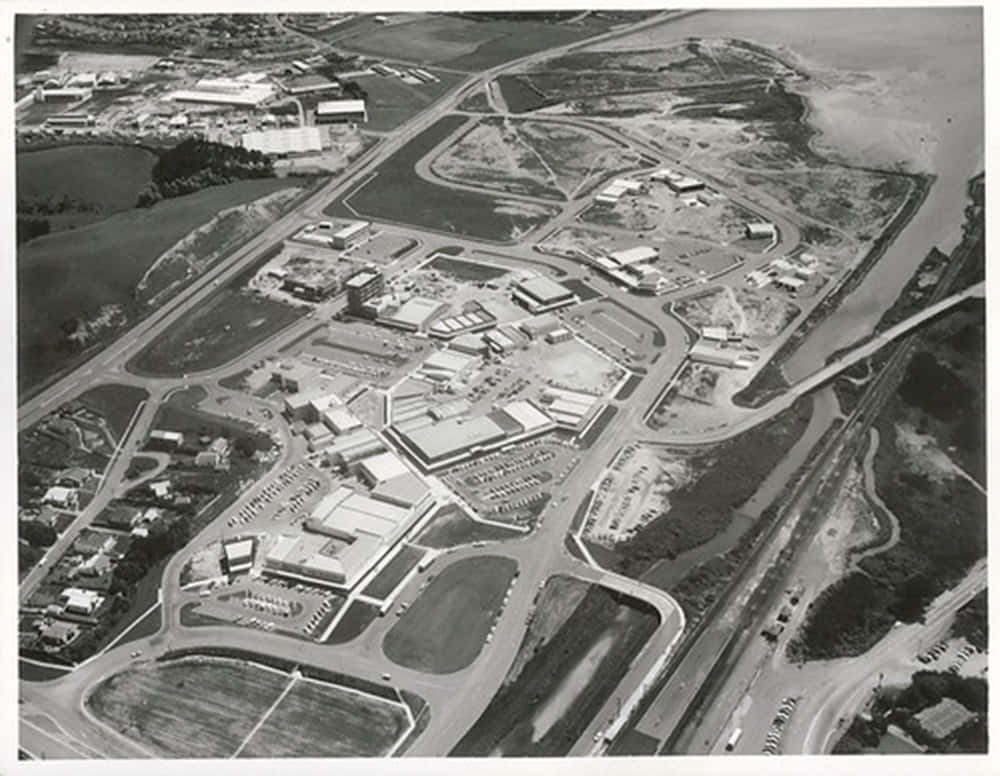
(353, 528)
(436, 445)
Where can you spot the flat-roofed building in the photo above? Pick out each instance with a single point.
(285, 142)
(340, 420)
(353, 446)
(381, 468)
(238, 555)
(405, 490)
(541, 294)
(161, 439)
(294, 376)
(351, 234)
(761, 230)
(469, 343)
(527, 416)
(540, 326)
(225, 91)
(413, 315)
(637, 255)
(341, 112)
(361, 287)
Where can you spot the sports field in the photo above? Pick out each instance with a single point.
(88, 275)
(322, 720)
(187, 708)
(445, 628)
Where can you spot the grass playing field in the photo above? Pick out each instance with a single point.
(322, 720)
(188, 708)
(445, 628)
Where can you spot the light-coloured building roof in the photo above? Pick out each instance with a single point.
(240, 551)
(544, 289)
(448, 360)
(59, 494)
(351, 229)
(295, 140)
(383, 467)
(416, 311)
(527, 415)
(451, 437)
(334, 107)
(405, 490)
(340, 419)
(361, 279)
(636, 255)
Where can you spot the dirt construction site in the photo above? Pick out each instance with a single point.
(544, 159)
(634, 491)
(746, 313)
(659, 213)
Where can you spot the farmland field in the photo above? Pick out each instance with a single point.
(89, 275)
(101, 179)
(187, 708)
(392, 102)
(446, 627)
(396, 193)
(568, 665)
(464, 43)
(323, 720)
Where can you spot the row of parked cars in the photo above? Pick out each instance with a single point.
(773, 740)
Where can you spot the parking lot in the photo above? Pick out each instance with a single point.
(956, 656)
(289, 497)
(772, 743)
(270, 604)
(514, 484)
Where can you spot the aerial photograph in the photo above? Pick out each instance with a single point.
(476, 384)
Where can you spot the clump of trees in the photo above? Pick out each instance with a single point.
(971, 622)
(195, 164)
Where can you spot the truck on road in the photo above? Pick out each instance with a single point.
(734, 739)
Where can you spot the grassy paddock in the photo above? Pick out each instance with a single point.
(446, 627)
(70, 276)
(115, 403)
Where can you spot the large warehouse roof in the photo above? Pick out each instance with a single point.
(297, 140)
(336, 107)
(383, 466)
(544, 289)
(451, 437)
(528, 416)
